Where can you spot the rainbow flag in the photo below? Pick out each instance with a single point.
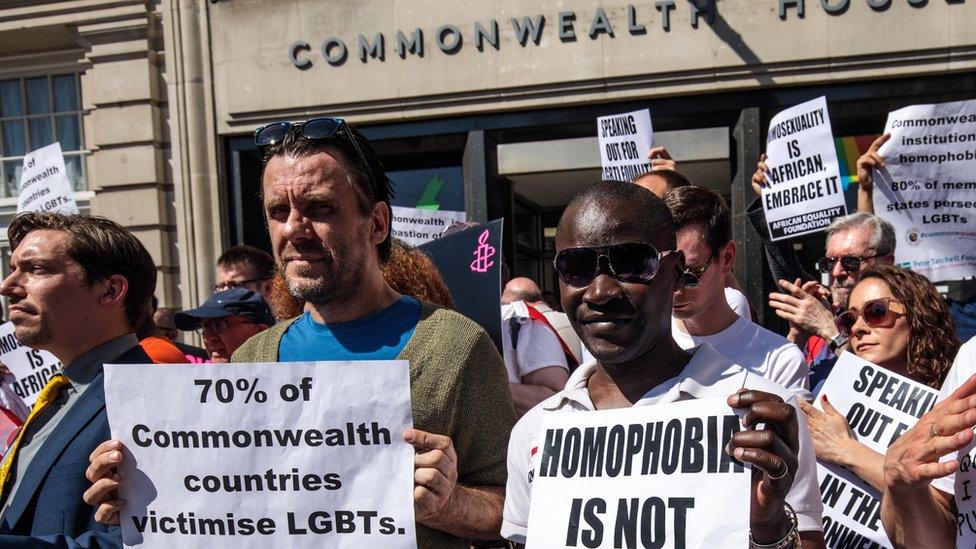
(849, 149)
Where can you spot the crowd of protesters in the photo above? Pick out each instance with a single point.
(649, 313)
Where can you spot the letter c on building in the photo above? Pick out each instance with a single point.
(293, 52)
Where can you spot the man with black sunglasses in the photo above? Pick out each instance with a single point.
(701, 313)
(619, 268)
(327, 204)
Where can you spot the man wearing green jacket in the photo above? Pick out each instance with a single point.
(326, 202)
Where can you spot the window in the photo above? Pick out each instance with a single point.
(35, 112)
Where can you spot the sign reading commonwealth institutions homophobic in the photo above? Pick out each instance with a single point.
(647, 476)
(804, 193)
(927, 189)
(625, 140)
(264, 455)
(880, 406)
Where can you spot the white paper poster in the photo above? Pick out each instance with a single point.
(44, 184)
(880, 406)
(32, 368)
(417, 226)
(647, 476)
(264, 455)
(625, 140)
(927, 189)
(804, 193)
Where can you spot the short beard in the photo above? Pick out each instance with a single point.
(35, 337)
(336, 286)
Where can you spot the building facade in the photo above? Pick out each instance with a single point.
(483, 107)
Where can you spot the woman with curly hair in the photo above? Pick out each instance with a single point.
(408, 271)
(897, 320)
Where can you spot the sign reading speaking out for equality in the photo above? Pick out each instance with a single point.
(31, 368)
(880, 406)
(647, 476)
(44, 184)
(470, 261)
(625, 140)
(804, 193)
(264, 455)
(927, 189)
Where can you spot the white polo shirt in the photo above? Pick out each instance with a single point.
(963, 484)
(538, 345)
(708, 374)
(749, 344)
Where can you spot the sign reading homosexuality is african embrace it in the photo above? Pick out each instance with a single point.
(880, 406)
(804, 193)
(927, 188)
(264, 455)
(647, 476)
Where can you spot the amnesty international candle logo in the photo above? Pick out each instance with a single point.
(483, 254)
(264, 455)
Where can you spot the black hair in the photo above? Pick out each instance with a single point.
(655, 220)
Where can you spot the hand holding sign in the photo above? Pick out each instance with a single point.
(102, 472)
(773, 452)
(912, 462)
(435, 473)
(661, 159)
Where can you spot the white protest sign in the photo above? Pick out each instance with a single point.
(927, 189)
(32, 368)
(880, 406)
(647, 476)
(417, 226)
(625, 140)
(44, 184)
(264, 455)
(804, 193)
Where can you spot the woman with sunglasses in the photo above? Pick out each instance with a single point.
(896, 320)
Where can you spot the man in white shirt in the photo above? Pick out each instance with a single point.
(930, 477)
(534, 354)
(618, 269)
(701, 311)
(525, 289)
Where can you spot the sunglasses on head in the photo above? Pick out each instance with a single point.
(692, 278)
(316, 129)
(632, 262)
(876, 313)
(850, 263)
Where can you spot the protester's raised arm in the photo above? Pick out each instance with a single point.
(866, 164)
(661, 159)
(913, 513)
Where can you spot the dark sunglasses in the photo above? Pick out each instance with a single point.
(632, 262)
(876, 313)
(317, 129)
(692, 278)
(850, 263)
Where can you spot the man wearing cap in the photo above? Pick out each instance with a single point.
(227, 319)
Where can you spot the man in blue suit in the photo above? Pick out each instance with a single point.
(77, 287)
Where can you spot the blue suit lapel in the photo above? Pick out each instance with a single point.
(89, 404)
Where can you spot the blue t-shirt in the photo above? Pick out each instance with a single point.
(379, 336)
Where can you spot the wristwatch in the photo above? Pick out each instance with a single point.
(790, 541)
(837, 342)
